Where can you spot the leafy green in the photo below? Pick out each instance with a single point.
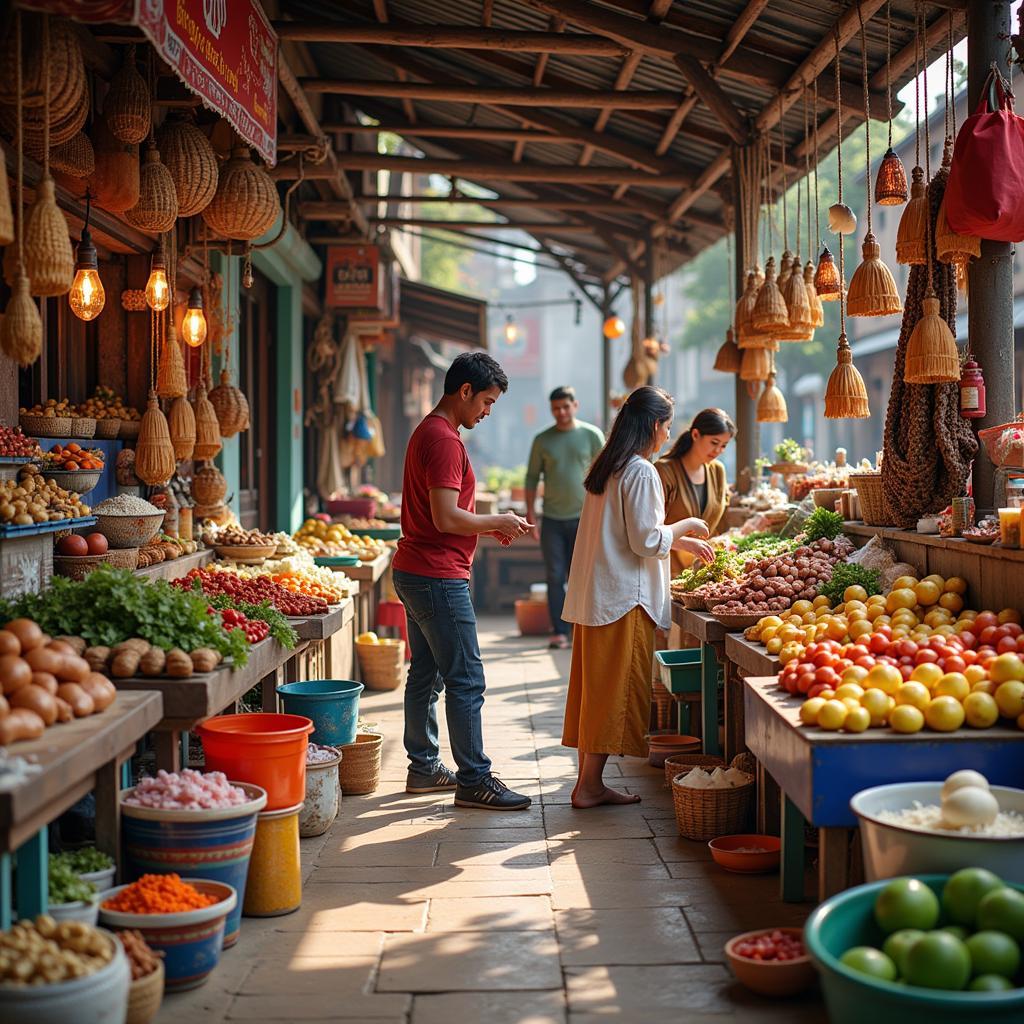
(789, 450)
(847, 574)
(822, 523)
(112, 605)
(280, 629)
(724, 565)
(65, 884)
(87, 860)
(762, 543)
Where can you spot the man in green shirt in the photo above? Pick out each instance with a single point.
(561, 455)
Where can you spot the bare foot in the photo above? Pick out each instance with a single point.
(582, 800)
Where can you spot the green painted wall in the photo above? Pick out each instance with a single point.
(229, 459)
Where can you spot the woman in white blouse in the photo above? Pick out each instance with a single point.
(618, 592)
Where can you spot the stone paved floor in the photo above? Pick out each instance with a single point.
(416, 912)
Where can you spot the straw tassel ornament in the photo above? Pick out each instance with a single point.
(801, 316)
(873, 289)
(171, 381)
(748, 336)
(208, 442)
(21, 329)
(154, 453)
(770, 313)
(728, 358)
(785, 269)
(910, 245)
(49, 258)
(932, 356)
(181, 424)
(208, 485)
(771, 406)
(817, 310)
(755, 364)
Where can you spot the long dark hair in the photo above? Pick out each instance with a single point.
(706, 422)
(630, 435)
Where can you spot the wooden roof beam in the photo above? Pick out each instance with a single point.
(451, 37)
(314, 210)
(714, 98)
(429, 222)
(442, 131)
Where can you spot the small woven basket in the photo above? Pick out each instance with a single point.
(662, 701)
(359, 771)
(128, 103)
(83, 427)
(108, 428)
(76, 157)
(145, 996)
(693, 602)
(704, 814)
(680, 764)
(381, 665)
(128, 531)
(157, 208)
(78, 481)
(869, 491)
(77, 567)
(46, 426)
(188, 155)
(129, 430)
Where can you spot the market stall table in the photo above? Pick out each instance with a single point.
(176, 567)
(743, 658)
(314, 660)
(819, 771)
(75, 758)
(189, 701)
(711, 634)
(368, 575)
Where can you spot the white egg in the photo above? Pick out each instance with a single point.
(969, 807)
(966, 777)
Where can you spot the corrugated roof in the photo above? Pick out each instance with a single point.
(784, 33)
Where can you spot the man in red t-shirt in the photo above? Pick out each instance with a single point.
(431, 576)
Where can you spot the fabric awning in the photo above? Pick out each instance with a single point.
(440, 315)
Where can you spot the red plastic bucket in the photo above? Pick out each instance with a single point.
(266, 750)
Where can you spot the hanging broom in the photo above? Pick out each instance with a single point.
(785, 269)
(817, 310)
(872, 289)
(154, 453)
(728, 357)
(951, 247)
(749, 335)
(932, 356)
(755, 364)
(181, 424)
(771, 406)
(798, 305)
(770, 313)
(910, 247)
(171, 381)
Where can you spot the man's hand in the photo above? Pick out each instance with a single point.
(510, 527)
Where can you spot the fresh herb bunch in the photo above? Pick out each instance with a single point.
(280, 630)
(789, 450)
(112, 605)
(763, 543)
(848, 574)
(724, 565)
(65, 884)
(86, 860)
(822, 523)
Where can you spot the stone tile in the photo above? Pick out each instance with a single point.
(650, 935)
(638, 991)
(490, 1007)
(387, 853)
(509, 854)
(674, 848)
(511, 913)
(604, 851)
(716, 915)
(418, 878)
(622, 894)
(306, 977)
(570, 870)
(342, 908)
(327, 1006)
(712, 945)
(595, 823)
(470, 962)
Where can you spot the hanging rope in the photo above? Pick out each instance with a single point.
(769, 198)
(888, 59)
(785, 178)
(807, 177)
(839, 171)
(817, 210)
(867, 111)
(19, 129)
(951, 102)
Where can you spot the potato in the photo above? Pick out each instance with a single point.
(36, 699)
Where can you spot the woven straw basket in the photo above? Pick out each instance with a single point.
(145, 996)
(188, 155)
(108, 428)
(46, 426)
(246, 203)
(680, 764)
(77, 567)
(128, 531)
(704, 814)
(359, 771)
(381, 665)
(129, 430)
(869, 491)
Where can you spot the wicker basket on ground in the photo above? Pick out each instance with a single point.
(359, 771)
(382, 664)
(145, 996)
(703, 814)
(680, 764)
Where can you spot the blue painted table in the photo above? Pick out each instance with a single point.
(818, 772)
(711, 634)
(75, 758)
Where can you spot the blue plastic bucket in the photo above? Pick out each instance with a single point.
(331, 704)
(215, 845)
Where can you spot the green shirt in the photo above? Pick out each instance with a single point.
(562, 458)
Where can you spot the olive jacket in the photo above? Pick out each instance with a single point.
(681, 499)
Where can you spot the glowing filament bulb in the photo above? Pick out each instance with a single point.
(193, 324)
(86, 297)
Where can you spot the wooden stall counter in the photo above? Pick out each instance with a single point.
(819, 771)
(711, 634)
(369, 575)
(74, 758)
(176, 567)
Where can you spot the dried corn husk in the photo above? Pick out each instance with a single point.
(21, 330)
(189, 157)
(157, 208)
(246, 203)
(181, 424)
(49, 258)
(207, 428)
(171, 381)
(127, 106)
(115, 182)
(231, 406)
(154, 453)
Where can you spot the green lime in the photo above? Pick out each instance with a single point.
(1003, 911)
(897, 945)
(990, 983)
(906, 903)
(956, 929)
(870, 961)
(963, 892)
(993, 953)
(938, 960)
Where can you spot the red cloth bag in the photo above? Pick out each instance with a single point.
(985, 193)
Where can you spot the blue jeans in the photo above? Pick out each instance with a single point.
(445, 656)
(557, 539)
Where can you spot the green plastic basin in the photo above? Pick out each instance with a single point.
(680, 670)
(847, 920)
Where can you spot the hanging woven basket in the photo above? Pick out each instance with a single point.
(127, 107)
(891, 181)
(771, 406)
(873, 290)
(181, 424)
(208, 442)
(171, 381)
(62, 66)
(154, 453)
(246, 203)
(208, 485)
(157, 208)
(115, 182)
(49, 258)
(21, 329)
(189, 157)
(826, 278)
(230, 405)
(728, 358)
(770, 313)
(75, 158)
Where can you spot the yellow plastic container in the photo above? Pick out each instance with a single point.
(274, 884)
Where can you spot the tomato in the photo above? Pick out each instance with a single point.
(926, 655)
(985, 619)
(936, 643)
(842, 664)
(855, 651)
(907, 648)
(824, 660)
(878, 643)
(906, 671)
(817, 689)
(1013, 629)
(988, 636)
(968, 639)
(867, 662)
(1020, 644)
(805, 681)
(1006, 645)
(883, 630)
(971, 657)
(954, 663)
(827, 676)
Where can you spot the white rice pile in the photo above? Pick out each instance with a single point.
(928, 818)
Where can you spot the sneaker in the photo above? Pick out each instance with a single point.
(441, 780)
(491, 794)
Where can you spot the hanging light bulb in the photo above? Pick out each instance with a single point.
(511, 330)
(613, 328)
(158, 291)
(193, 324)
(86, 297)
(826, 277)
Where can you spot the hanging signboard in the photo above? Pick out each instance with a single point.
(225, 51)
(353, 277)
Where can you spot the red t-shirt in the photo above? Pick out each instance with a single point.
(436, 457)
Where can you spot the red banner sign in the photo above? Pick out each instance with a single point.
(353, 277)
(223, 50)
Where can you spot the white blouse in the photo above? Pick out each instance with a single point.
(620, 560)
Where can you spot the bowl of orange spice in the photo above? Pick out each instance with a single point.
(184, 919)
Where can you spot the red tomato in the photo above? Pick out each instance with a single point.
(971, 657)
(805, 681)
(968, 639)
(884, 630)
(887, 659)
(986, 652)
(936, 643)
(855, 651)
(907, 648)
(906, 671)
(816, 689)
(906, 660)
(789, 684)
(877, 643)
(989, 635)
(842, 665)
(1007, 645)
(1020, 644)
(1014, 629)
(828, 676)
(867, 662)
(953, 664)
(926, 655)
(986, 662)
(986, 619)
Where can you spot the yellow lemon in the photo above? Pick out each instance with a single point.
(985, 686)
(854, 674)
(809, 710)
(980, 710)
(944, 714)
(858, 720)
(876, 703)
(975, 674)
(927, 592)
(929, 673)
(774, 645)
(914, 694)
(851, 689)
(855, 593)
(1009, 697)
(903, 597)
(953, 684)
(832, 714)
(1006, 667)
(906, 718)
(821, 601)
(885, 677)
(859, 628)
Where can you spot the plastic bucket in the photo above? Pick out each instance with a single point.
(331, 704)
(266, 750)
(323, 795)
(847, 920)
(274, 886)
(213, 844)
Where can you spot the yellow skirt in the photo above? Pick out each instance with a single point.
(608, 706)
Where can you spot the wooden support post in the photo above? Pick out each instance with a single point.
(606, 364)
(108, 809)
(792, 867)
(649, 281)
(33, 875)
(167, 748)
(747, 440)
(990, 279)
